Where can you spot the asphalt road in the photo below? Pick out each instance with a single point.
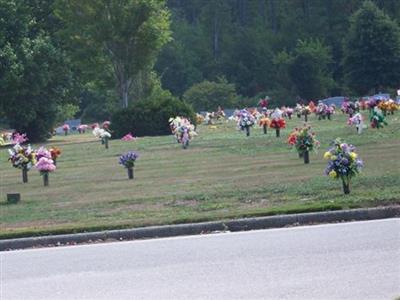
(359, 260)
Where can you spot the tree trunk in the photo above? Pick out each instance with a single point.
(273, 15)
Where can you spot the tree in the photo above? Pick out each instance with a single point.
(309, 69)
(35, 77)
(372, 50)
(209, 95)
(118, 37)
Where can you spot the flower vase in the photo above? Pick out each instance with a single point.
(346, 187)
(300, 154)
(46, 179)
(66, 132)
(55, 162)
(329, 116)
(130, 173)
(106, 142)
(305, 117)
(25, 175)
(306, 156)
(265, 129)
(290, 117)
(278, 132)
(247, 130)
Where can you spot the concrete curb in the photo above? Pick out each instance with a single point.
(206, 227)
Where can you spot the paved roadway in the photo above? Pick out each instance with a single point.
(359, 260)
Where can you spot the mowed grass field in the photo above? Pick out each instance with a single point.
(222, 175)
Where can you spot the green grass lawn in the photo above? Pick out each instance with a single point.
(222, 175)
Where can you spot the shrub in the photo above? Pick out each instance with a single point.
(149, 118)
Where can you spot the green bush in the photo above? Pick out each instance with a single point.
(149, 118)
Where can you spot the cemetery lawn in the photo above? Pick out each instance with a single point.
(222, 175)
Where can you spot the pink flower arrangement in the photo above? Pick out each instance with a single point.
(45, 165)
(95, 125)
(65, 127)
(42, 152)
(19, 138)
(82, 128)
(106, 124)
(128, 137)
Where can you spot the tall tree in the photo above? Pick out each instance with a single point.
(372, 50)
(35, 76)
(125, 37)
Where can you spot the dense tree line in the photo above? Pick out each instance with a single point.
(90, 58)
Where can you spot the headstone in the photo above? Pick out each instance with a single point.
(13, 198)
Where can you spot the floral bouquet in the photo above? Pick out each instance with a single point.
(264, 123)
(298, 109)
(322, 111)
(377, 118)
(358, 121)
(277, 121)
(106, 124)
(102, 134)
(55, 153)
(45, 164)
(18, 138)
(289, 112)
(305, 111)
(128, 161)
(246, 120)
(23, 158)
(82, 128)
(305, 142)
(128, 137)
(348, 108)
(343, 163)
(66, 128)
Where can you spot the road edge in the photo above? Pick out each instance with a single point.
(205, 227)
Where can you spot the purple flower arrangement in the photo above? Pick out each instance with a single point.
(343, 163)
(128, 159)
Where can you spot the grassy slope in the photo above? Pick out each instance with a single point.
(223, 174)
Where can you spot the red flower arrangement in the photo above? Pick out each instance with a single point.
(278, 123)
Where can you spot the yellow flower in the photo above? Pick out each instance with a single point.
(353, 155)
(333, 174)
(327, 155)
(333, 157)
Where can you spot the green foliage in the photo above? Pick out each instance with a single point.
(35, 76)
(66, 111)
(149, 117)
(207, 95)
(372, 50)
(124, 37)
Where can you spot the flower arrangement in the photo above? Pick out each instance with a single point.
(2, 141)
(82, 128)
(311, 106)
(289, 112)
(246, 120)
(322, 111)
(45, 165)
(343, 163)
(128, 161)
(304, 140)
(66, 128)
(102, 134)
(55, 153)
(94, 125)
(264, 123)
(23, 158)
(348, 108)
(388, 106)
(182, 129)
(18, 138)
(358, 121)
(277, 121)
(305, 111)
(377, 118)
(106, 124)
(128, 137)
